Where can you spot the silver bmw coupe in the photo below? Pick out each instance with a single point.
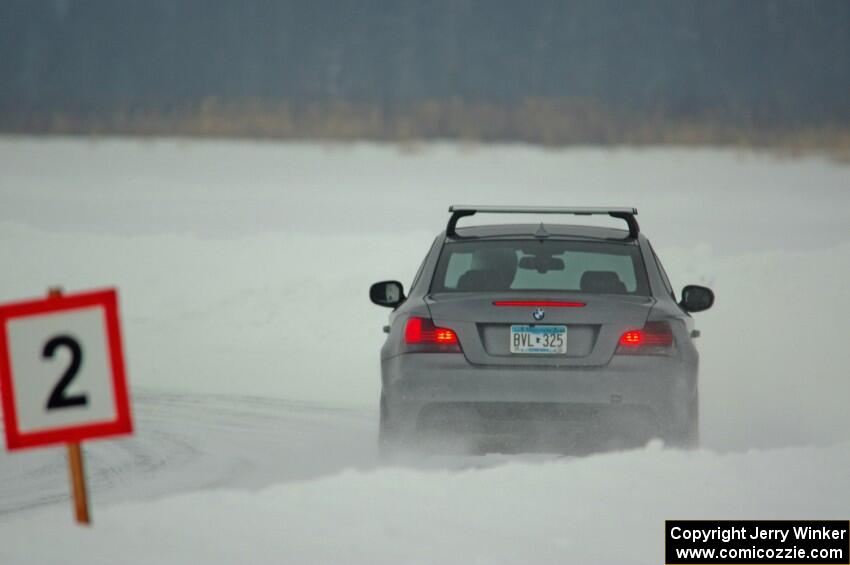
(538, 337)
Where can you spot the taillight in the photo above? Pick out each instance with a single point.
(655, 338)
(424, 336)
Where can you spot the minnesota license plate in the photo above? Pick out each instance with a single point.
(539, 339)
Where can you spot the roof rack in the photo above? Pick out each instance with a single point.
(458, 212)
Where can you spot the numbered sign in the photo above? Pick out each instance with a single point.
(62, 370)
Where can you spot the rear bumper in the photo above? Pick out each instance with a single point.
(416, 386)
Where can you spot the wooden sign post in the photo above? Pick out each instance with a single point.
(78, 483)
(62, 376)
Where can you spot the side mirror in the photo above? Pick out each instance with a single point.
(696, 298)
(387, 293)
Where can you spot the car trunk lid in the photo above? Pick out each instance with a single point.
(594, 324)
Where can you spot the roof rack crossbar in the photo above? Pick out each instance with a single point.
(458, 212)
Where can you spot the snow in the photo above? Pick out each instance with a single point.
(252, 349)
(601, 509)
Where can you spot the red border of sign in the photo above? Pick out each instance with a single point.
(122, 424)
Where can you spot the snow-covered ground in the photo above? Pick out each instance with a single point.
(252, 349)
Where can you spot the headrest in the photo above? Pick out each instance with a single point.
(483, 281)
(494, 260)
(603, 282)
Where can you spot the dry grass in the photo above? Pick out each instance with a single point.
(538, 121)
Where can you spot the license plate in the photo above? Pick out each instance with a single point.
(539, 339)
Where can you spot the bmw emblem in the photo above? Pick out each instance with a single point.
(538, 314)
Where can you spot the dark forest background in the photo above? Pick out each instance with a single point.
(569, 71)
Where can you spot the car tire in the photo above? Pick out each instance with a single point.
(388, 441)
(692, 434)
(682, 432)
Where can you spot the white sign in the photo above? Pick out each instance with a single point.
(62, 370)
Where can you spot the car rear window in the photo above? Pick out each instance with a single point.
(573, 266)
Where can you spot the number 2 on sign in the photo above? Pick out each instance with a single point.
(58, 398)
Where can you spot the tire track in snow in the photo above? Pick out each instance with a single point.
(186, 442)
